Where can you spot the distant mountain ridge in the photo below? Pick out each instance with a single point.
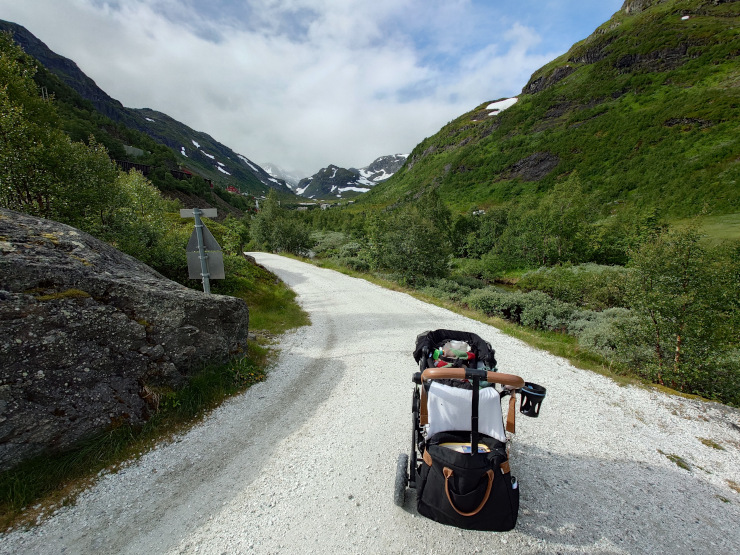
(343, 183)
(291, 178)
(210, 158)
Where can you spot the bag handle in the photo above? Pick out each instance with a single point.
(448, 472)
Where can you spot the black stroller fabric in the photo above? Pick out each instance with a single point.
(457, 483)
(431, 340)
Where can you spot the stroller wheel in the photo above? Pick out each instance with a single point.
(402, 479)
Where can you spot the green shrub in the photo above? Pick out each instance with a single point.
(493, 302)
(540, 311)
(468, 282)
(351, 249)
(615, 333)
(357, 264)
(446, 289)
(328, 243)
(535, 309)
(588, 285)
(467, 268)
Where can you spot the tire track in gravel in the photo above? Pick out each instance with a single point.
(198, 477)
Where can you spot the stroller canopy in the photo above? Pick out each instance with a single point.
(431, 340)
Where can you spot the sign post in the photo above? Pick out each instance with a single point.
(205, 259)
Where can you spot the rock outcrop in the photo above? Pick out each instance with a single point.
(86, 332)
(631, 7)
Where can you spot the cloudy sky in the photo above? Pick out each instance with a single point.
(308, 83)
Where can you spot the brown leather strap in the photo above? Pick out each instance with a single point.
(448, 472)
(505, 468)
(423, 411)
(427, 458)
(511, 417)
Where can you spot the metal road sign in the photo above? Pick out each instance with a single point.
(205, 212)
(205, 259)
(209, 241)
(215, 261)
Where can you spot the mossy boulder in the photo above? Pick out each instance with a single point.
(84, 329)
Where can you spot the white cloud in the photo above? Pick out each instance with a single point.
(302, 83)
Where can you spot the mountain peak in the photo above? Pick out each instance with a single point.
(337, 182)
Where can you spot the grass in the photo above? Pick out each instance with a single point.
(272, 305)
(717, 229)
(68, 294)
(681, 463)
(710, 443)
(39, 486)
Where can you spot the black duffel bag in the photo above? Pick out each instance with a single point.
(476, 492)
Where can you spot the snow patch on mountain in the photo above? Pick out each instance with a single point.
(501, 105)
(248, 163)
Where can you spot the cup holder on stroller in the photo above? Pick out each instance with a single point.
(532, 396)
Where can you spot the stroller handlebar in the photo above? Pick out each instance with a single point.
(468, 373)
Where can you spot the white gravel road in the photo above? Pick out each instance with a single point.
(305, 462)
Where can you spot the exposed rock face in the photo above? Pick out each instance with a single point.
(544, 82)
(631, 7)
(85, 328)
(534, 167)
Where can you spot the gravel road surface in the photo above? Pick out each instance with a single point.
(305, 462)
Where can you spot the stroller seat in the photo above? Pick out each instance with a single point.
(450, 409)
(459, 459)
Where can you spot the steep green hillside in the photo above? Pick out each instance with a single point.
(89, 109)
(644, 112)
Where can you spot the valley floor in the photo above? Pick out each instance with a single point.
(305, 462)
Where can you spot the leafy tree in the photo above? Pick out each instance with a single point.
(42, 171)
(30, 146)
(488, 231)
(409, 244)
(275, 229)
(264, 223)
(236, 235)
(463, 226)
(88, 194)
(683, 291)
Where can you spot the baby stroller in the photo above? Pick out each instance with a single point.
(459, 461)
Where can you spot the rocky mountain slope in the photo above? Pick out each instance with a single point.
(88, 335)
(336, 182)
(291, 178)
(196, 150)
(643, 115)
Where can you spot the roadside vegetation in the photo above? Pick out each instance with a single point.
(633, 297)
(46, 170)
